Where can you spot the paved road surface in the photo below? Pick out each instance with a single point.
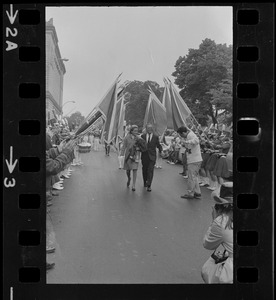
(105, 233)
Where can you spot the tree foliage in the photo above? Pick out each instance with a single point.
(75, 119)
(204, 77)
(137, 95)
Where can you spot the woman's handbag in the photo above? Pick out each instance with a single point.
(218, 269)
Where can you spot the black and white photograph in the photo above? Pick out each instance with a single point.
(139, 144)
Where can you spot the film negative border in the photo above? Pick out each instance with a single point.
(253, 137)
(24, 202)
(24, 143)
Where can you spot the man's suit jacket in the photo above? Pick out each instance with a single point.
(151, 147)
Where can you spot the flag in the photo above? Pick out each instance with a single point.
(121, 122)
(180, 110)
(86, 124)
(109, 108)
(96, 125)
(117, 114)
(105, 108)
(156, 114)
(166, 101)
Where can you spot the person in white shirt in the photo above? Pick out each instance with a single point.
(220, 236)
(194, 159)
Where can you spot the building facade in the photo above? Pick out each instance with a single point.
(55, 71)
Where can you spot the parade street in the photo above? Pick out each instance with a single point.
(106, 233)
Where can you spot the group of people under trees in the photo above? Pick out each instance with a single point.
(204, 164)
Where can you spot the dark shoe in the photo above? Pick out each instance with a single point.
(55, 193)
(206, 184)
(196, 195)
(186, 196)
(50, 266)
(149, 189)
(133, 189)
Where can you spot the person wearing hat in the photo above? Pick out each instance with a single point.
(220, 234)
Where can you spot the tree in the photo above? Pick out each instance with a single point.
(205, 79)
(137, 95)
(74, 120)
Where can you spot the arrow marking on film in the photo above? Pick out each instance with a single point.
(10, 15)
(11, 165)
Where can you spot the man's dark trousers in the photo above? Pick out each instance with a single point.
(147, 169)
(149, 158)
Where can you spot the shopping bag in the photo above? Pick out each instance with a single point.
(221, 272)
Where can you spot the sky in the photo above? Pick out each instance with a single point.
(143, 43)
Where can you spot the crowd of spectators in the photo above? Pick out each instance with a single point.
(63, 150)
(215, 167)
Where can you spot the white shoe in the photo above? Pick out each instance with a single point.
(73, 164)
(202, 184)
(58, 188)
(186, 176)
(211, 188)
(66, 176)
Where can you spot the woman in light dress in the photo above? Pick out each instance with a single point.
(131, 150)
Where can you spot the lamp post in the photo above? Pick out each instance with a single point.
(66, 103)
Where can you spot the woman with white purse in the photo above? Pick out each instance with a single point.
(219, 267)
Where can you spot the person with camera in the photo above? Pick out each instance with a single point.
(132, 146)
(219, 267)
(194, 159)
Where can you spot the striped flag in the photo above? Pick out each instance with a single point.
(180, 110)
(118, 110)
(155, 114)
(166, 101)
(105, 109)
(110, 113)
(121, 122)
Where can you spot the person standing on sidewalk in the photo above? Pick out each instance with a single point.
(194, 159)
(184, 161)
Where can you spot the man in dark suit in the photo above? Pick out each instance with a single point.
(149, 156)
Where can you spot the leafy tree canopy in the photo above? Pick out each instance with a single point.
(204, 77)
(137, 95)
(74, 120)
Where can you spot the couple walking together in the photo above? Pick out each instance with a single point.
(135, 147)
